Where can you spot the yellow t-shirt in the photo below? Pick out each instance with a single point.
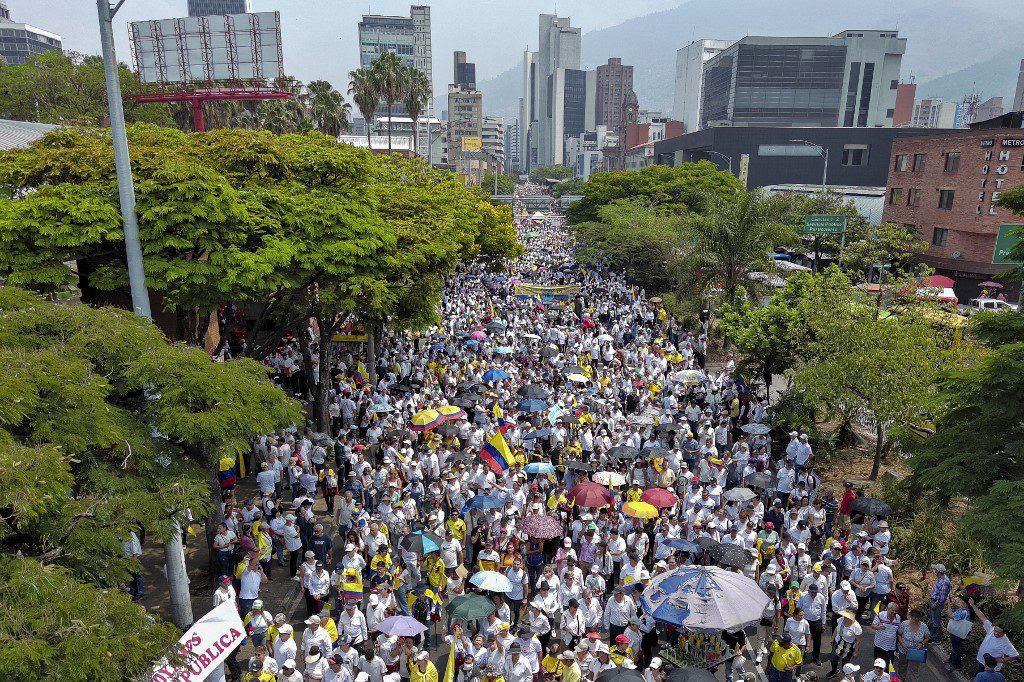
(552, 665)
(458, 528)
(788, 658)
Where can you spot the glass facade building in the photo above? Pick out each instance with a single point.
(20, 41)
(575, 102)
(206, 8)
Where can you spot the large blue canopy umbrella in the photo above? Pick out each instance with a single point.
(484, 502)
(684, 545)
(531, 405)
(540, 468)
(495, 375)
(704, 599)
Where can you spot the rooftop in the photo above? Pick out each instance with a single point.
(21, 134)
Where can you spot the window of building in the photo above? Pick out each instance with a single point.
(902, 163)
(889, 113)
(893, 84)
(919, 160)
(865, 94)
(855, 155)
(939, 236)
(952, 164)
(946, 199)
(896, 196)
(913, 197)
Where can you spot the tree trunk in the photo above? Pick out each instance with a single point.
(371, 352)
(389, 127)
(879, 444)
(321, 383)
(767, 377)
(177, 581)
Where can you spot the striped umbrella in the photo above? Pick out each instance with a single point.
(425, 420)
(451, 413)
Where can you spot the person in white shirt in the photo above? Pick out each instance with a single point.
(288, 672)
(618, 612)
(799, 630)
(878, 672)
(352, 624)
(285, 647)
(315, 635)
(225, 591)
(996, 643)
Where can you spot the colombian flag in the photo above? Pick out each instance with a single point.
(360, 372)
(496, 454)
(503, 426)
(226, 472)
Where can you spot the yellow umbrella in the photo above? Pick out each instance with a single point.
(450, 413)
(425, 420)
(640, 510)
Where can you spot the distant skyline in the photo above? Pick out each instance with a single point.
(320, 39)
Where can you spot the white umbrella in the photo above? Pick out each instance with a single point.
(609, 478)
(492, 581)
(604, 338)
(704, 599)
(578, 378)
(756, 429)
(532, 337)
(690, 376)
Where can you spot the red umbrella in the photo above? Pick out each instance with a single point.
(542, 526)
(589, 494)
(992, 285)
(659, 497)
(939, 282)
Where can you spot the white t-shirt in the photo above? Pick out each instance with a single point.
(450, 553)
(1000, 647)
(798, 630)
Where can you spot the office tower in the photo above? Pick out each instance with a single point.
(990, 108)
(409, 38)
(934, 113)
(512, 160)
(206, 8)
(849, 80)
(1018, 96)
(690, 79)
(554, 92)
(465, 72)
(19, 41)
(494, 142)
(613, 81)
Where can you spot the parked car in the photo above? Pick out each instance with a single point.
(976, 305)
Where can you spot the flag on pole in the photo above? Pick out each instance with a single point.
(503, 426)
(496, 454)
(449, 668)
(490, 303)
(360, 372)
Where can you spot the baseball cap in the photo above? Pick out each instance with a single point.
(285, 629)
(290, 663)
(850, 668)
(655, 663)
(224, 579)
(313, 620)
(621, 639)
(880, 663)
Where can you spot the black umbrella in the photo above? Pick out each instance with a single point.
(574, 369)
(708, 543)
(448, 430)
(548, 352)
(729, 555)
(532, 392)
(691, 675)
(623, 452)
(668, 427)
(577, 466)
(655, 453)
(571, 420)
(463, 456)
(421, 542)
(870, 506)
(621, 675)
(400, 388)
(759, 480)
(468, 401)
(400, 434)
(467, 385)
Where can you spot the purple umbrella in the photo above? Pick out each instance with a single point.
(402, 626)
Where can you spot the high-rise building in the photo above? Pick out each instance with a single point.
(613, 80)
(1018, 95)
(206, 8)
(690, 79)
(934, 113)
(554, 92)
(409, 38)
(906, 95)
(849, 79)
(512, 160)
(465, 72)
(19, 41)
(990, 108)
(494, 142)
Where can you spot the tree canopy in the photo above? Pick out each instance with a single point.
(105, 427)
(683, 188)
(554, 172)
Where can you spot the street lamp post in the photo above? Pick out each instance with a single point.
(727, 158)
(822, 152)
(174, 553)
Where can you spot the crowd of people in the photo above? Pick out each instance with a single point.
(465, 459)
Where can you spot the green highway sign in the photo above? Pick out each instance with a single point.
(824, 224)
(1004, 244)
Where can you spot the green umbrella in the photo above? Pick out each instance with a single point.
(467, 607)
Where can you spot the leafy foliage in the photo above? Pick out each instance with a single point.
(506, 184)
(554, 172)
(688, 187)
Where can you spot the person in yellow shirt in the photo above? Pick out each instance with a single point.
(257, 673)
(786, 658)
(423, 670)
(570, 667)
(458, 528)
(634, 493)
(621, 651)
(552, 665)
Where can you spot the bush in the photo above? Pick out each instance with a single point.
(919, 543)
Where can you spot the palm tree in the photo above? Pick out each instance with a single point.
(362, 88)
(391, 78)
(327, 108)
(734, 238)
(416, 97)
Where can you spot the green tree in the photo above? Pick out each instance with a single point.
(69, 88)
(105, 427)
(417, 95)
(688, 187)
(363, 91)
(861, 364)
(887, 245)
(555, 172)
(733, 238)
(328, 108)
(506, 184)
(641, 241)
(391, 80)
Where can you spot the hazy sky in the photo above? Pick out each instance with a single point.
(320, 35)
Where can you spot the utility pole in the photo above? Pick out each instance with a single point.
(174, 552)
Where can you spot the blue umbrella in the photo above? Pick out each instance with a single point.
(531, 405)
(484, 502)
(437, 346)
(472, 342)
(684, 545)
(498, 279)
(503, 350)
(539, 433)
(704, 599)
(495, 375)
(539, 468)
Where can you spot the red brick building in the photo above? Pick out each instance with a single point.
(944, 186)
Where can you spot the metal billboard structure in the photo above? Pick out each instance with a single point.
(209, 58)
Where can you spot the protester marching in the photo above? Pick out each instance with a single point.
(555, 483)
